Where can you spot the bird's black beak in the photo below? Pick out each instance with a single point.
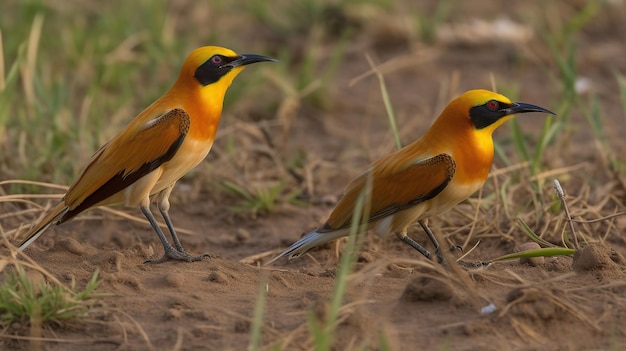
(521, 107)
(246, 59)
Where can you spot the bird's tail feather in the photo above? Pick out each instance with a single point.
(308, 242)
(52, 216)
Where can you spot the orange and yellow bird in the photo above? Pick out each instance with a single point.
(431, 175)
(169, 138)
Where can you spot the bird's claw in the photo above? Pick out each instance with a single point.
(174, 254)
(473, 265)
(456, 248)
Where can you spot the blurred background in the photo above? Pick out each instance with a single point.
(73, 73)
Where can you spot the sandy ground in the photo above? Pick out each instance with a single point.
(563, 303)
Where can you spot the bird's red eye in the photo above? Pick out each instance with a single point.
(217, 60)
(493, 105)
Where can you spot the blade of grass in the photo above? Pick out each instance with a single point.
(323, 332)
(21, 300)
(2, 81)
(532, 234)
(543, 252)
(259, 310)
(386, 102)
(621, 82)
(548, 132)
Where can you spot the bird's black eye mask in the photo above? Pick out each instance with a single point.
(213, 69)
(488, 113)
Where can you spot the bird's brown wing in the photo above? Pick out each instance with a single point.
(393, 189)
(125, 159)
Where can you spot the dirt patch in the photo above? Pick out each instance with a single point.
(597, 257)
(555, 303)
(427, 289)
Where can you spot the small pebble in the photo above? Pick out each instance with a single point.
(242, 326)
(173, 313)
(328, 200)
(218, 277)
(533, 261)
(489, 309)
(242, 235)
(365, 257)
(145, 251)
(75, 247)
(174, 280)
(427, 289)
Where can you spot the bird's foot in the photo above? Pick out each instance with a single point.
(474, 265)
(174, 254)
(452, 249)
(456, 248)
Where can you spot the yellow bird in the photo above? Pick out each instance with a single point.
(169, 138)
(431, 175)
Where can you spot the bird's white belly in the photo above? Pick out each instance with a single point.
(188, 156)
(450, 197)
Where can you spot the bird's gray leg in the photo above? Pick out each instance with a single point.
(405, 238)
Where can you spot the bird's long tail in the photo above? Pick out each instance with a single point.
(53, 216)
(308, 242)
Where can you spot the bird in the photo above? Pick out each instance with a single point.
(445, 166)
(142, 163)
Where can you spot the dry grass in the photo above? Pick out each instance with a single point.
(305, 129)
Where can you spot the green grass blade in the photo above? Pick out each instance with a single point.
(259, 310)
(621, 82)
(532, 234)
(543, 252)
(323, 334)
(21, 301)
(548, 133)
(389, 109)
(595, 120)
(383, 342)
(519, 140)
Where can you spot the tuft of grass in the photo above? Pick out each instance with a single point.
(570, 245)
(260, 200)
(23, 301)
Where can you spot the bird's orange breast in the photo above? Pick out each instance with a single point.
(204, 118)
(473, 157)
(203, 107)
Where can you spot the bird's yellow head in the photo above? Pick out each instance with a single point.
(487, 110)
(214, 65)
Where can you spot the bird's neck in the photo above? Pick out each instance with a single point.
(472, 151)
(204, 106)
(477, 152)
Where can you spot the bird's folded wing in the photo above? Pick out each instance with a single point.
(394, 189)
(129, 156)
